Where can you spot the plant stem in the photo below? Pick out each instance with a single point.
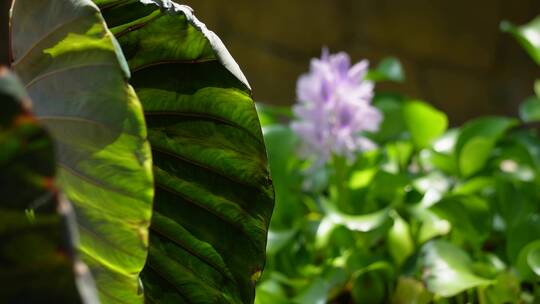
(340, 180)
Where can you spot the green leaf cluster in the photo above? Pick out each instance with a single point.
(434, 214)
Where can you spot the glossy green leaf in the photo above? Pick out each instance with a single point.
(214, 196)
(448, 269)
(400, 242)
(360, 223)
(441, 155)
(528, 35)
(529, 110)
(334, 219)
(36, 232)
(424, 122)
(77, 79)
(389, 69)
(477, 140)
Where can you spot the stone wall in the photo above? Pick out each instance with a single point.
(453, 52)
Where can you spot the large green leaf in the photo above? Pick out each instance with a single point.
(77, 78)
(448, 269)
(36, 235)
(214, 196)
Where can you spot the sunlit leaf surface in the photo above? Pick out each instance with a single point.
(214, 196)
(77, 78)
(448, 269)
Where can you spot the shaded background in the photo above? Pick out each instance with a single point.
(453, 53)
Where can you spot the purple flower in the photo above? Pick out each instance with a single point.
(334, 107)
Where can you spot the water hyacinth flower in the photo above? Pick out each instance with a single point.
(334, 108)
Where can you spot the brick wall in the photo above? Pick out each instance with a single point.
(453, 52)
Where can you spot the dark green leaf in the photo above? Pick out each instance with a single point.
(214, 196)
(77, 79)
(36, 235)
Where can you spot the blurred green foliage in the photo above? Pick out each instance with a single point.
(433, 215)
